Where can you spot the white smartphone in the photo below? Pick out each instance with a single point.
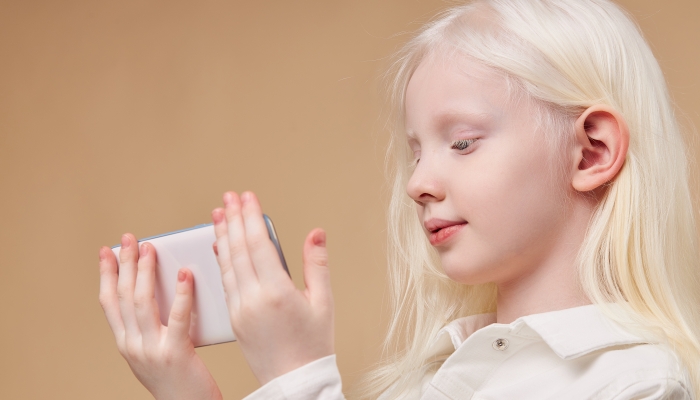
(192, 248)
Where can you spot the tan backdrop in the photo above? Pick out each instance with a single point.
(137, 115)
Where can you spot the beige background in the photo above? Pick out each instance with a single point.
(137, 115)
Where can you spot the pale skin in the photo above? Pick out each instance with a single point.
(511, 226)
(162, 358)
(518, 225)
(278, 327)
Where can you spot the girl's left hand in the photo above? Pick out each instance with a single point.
(162, 357)
(278, 327)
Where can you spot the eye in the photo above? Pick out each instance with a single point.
(462, 144)
(416, 158)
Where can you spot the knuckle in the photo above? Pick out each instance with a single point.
(327, 308)
(151, 354)
(228, 278)
(131, 351)
(123, 294)
(121, 346)
(105, 301)
(179, 316)
(257, 239)
(123, 352)
(320, 258)
(168, 357)
(277, 300)
(226, 269)
(237, 249)
(247, 312)
(141, 302)
(125, 256)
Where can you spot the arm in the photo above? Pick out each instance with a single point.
(162, 357)
(278, 327)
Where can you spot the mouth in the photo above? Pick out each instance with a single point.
(440, 231)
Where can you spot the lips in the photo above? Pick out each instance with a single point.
(439, 230)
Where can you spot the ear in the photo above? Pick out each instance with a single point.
(602, 139)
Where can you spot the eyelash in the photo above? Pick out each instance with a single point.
(462, 144)
(457, 145)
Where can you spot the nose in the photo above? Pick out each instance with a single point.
(424, 185)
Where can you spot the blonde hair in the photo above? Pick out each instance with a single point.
(640, 250)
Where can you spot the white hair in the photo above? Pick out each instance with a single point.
(640, 250)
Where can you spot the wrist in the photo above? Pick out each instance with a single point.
(210, 392)
(215, 394)
(270, 375)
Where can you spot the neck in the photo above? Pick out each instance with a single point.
(552, 283)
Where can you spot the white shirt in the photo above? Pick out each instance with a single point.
(575, 353)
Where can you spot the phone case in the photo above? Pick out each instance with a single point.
(192, 248)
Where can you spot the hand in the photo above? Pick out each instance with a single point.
(162, 357)
(278, 327)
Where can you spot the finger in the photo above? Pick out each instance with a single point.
(261, 249)
(181, 311)
(128, 256)
(316, 273)
(108, 291)
(145, 306)
(237, 246)
(215, 248)
(223, 257)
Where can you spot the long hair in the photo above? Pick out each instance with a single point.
(640, 249)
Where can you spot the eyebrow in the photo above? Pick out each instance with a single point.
(445, 119)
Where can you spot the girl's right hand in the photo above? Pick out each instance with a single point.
(162, 357)
(278, 327)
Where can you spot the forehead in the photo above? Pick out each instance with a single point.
(443, 89)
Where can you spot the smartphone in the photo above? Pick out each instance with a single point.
(192, 248)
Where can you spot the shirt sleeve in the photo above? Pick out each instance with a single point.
(661, 389)
(648, 385)
(318, 379)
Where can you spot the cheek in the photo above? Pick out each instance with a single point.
(519, 180)
(520, 197)
(522, 201)
(515, 208)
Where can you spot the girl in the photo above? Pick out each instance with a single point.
(541, 229)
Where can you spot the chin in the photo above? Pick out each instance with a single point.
(467, 273)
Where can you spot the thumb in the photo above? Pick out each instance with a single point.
(180, 313)
(316, 273)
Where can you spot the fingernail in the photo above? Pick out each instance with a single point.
(228, 198)
(217, 215)
(143, 250)
(181, 275)
(102, 253)
(320, 239)
(125, 241)
(245, 197)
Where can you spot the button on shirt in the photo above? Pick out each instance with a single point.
(576, 353)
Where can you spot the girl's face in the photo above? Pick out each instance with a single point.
(483, 180)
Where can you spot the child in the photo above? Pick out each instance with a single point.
(546, 248)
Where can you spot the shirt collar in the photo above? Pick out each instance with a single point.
(570, 333)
